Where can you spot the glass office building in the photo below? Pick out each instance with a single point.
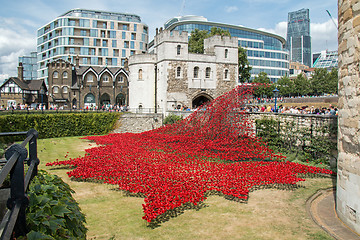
(298, 40)
(29, 64)
(266, 51)
(326, 59)
(99, 38)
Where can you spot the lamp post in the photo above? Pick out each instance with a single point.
(276, 93)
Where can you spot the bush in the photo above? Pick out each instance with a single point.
(58, 125)
(52, 212)
(172, 118)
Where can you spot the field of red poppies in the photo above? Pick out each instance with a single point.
(213, 151)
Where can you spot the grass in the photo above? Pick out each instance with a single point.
(269, 214)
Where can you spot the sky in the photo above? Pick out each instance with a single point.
(20, 19)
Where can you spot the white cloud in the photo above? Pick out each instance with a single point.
(323, 35)
(15, 41)
(230, 9)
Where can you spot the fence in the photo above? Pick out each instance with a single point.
(13, 223)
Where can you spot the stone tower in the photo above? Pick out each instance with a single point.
(348, 181)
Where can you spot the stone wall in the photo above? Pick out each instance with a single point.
(136, 123)
(348, 180)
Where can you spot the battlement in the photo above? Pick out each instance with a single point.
(170, 36)
(221, 41)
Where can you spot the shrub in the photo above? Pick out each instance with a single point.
(52, 212)
(172, 118)
(58, 125)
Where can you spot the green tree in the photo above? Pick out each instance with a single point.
(302, 85)
(333, 81)
(196, 41)
(319, 81)
(265, 88)
(243, 64)
(285, 86)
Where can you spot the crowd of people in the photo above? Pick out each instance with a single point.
(331, 110)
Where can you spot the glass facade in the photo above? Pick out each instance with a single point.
(91, 35)
(266, 52)
(298, 40)
(30, 66)
(327, 59)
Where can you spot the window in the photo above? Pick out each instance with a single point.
(178, 71)
(123, 52)
(207, 72)
(114, 43)
(121, 79)
(93, 32)
(105, 78)
(132, 52)
(133, 36)
(104, 43)
(126, 44)
(114, 62)
(135, 27)
(55, 89)
(226, 74)
(196, 72)
(83, 32)
(132, 45)
(140, 74)
(89, 78)
(112, 34)
(226, 53)
(85, 61)
(178, 49)
(123, 35)
(55, 74)
(95, 42)
(125, 27)
(112, 25)
(65, 89)
(86, 42)
(65, 74)
(94, 24)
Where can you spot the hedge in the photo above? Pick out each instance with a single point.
(58, 125)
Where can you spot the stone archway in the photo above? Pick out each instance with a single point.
(121, 99)
(104, 99)
(200, 100)
(89, 100)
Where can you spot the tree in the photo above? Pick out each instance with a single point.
(285, 86)
(333, 81)
(243, 64)
(263, 88)
(319, 81)
(302, 85)
(196, 41)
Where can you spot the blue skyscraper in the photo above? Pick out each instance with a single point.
(298, 40)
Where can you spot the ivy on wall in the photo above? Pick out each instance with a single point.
(315, 143)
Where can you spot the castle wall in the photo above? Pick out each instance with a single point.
(348, 180)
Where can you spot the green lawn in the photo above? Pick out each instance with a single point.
(269, 214)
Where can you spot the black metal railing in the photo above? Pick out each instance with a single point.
(13, 223)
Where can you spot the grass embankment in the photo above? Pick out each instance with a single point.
(269, 214)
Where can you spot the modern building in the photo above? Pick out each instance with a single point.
(29, 64)
(99, 38)
(171, 77)
(81, 87)
(298, 40)
(326, 59)
(266, 51)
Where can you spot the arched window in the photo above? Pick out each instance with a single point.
(178, 49)
(208, 72)
(226, 74)
(140, 74)
(55, 74)
(121, 79)
(196, 72)
(65, 74)
(226, 53)
(55, 89)
(65, 89)
(178, 71)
